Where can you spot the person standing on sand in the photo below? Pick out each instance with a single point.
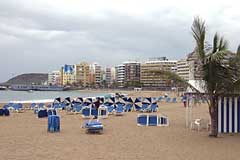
(184, 98)
(97, 104)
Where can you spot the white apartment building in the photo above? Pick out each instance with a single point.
(54, 78)
(120, 75)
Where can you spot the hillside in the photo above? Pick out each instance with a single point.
(30, 78)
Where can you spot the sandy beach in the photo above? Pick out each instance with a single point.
(23, 136)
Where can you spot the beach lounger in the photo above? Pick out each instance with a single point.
(4, 112)
(18, 107)
(93, 126)
(110, 109)
(163, 120)
(144, 107)
(128, 107)
(168, 100)
(1, 112)
(41, 105)
(160, 98)
(52, 112)
(42, 113)
(102, 112)
(174, 100)
(153, 107)
(119, 110)
(142, 120)
(53, 123)
(152, 120)
(77, 108)
(94, 112)
(86, 112)
(32, 106)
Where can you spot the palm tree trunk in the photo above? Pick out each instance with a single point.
(213, 115)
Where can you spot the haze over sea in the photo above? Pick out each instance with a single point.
(8, 95)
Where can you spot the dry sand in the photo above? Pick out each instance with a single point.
(23, 137)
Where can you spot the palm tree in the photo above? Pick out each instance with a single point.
(219, 69)
(216, 71)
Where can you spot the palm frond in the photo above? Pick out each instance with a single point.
(219, 55)
(198, 32)
(238, 51)
(223, 44)
(215, 43)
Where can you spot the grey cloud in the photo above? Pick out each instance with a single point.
(41, 40)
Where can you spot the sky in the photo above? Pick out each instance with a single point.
(38, 36)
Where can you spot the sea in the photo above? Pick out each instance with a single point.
(47, 96)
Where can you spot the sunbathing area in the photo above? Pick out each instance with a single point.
(25, 136)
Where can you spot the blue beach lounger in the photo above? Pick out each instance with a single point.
(93, 126)
(168, 100)
(152, 120)
(174, 100)
(86, 112)
(53, 123)
(119, 110)
(153, 107)
(142, 120)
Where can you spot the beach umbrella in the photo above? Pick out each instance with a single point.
(121, 101)
(67, 101)
(147, 101)
(138, 103)
(154, 100)
(80, 100)
(112, 102)
(125, 99)
(57, 100)
(101, 99)
(89, 102)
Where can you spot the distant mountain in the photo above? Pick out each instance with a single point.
(30, 78)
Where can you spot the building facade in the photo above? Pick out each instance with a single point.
(132, 73)
(68, 74)
(95, 74)
(183, 69)
(151, 79)
(190, 67)
(83, 74)
(108, 76)
(120, 75)
(54, 78)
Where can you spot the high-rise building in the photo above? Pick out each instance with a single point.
(132, 73)
(190, 67)
(194, 66)
(150, 79)
(183, 69)
(95, 74)
(83, 74)
(120, 75)
(68, 74)
(108, 76)
(54, 78)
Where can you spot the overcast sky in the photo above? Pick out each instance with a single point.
(43, 35)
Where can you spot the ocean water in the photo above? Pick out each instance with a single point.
(8, 95)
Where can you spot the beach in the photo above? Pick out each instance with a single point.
(23, 136)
